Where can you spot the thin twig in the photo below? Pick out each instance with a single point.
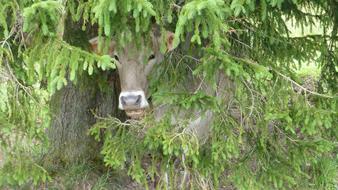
(176, 6)
(285, 77)
(23, 87)
(244, 44)
(252, 99)
(303, 88)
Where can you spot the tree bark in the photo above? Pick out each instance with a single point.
(72, 116)
(72, 107)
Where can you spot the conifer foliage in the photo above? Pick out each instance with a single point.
(284, 138)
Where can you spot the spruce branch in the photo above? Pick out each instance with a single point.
(303, 88)
(284, 77)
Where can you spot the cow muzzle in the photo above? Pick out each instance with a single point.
(134, 103)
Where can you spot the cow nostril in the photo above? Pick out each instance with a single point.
(131, 100)
(138, 101)
(123, 100)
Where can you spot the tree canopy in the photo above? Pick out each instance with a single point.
(286, 137)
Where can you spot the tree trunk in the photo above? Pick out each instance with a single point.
(72, 116)
(72, 108)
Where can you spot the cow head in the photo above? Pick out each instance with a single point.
(134, 63)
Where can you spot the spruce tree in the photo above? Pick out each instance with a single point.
(57, 97)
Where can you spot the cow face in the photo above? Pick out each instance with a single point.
(134, 63)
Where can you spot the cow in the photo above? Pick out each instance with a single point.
(135, 63)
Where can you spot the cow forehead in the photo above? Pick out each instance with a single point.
(134, 51)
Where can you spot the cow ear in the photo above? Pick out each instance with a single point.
(170, 41)
(94, 46)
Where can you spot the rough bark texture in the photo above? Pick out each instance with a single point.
(72, 109)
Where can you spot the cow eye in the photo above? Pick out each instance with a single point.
(152, 56)
(116, 58)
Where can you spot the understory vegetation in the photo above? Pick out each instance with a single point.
(277, 129)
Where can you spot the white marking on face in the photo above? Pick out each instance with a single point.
(143, 104)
